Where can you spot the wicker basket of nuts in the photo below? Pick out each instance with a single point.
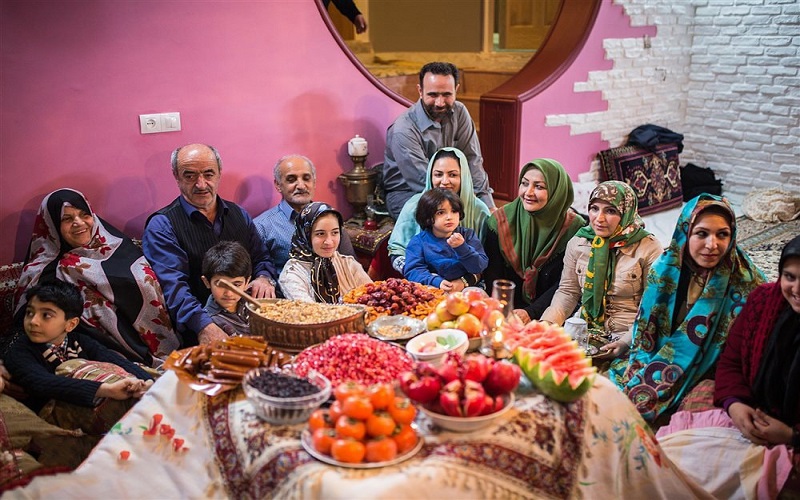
(292, 325)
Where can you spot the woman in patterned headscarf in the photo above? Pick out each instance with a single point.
(695, 291)
(606, 266)
(124, 306)
(315, 271)
(525, 239)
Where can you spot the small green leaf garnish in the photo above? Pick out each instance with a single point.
(448, 342)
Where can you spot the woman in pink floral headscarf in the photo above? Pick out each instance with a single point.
(124, 306)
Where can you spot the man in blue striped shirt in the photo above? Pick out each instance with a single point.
(296, 181)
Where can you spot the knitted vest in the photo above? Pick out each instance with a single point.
(196, 236)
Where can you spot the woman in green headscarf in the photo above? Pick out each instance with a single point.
(525, 239)
(447, 169)
(605, 267)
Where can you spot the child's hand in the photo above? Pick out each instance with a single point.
(137, 390)
(117, 390)
(455, 240)
(445, 285)
(458, 285)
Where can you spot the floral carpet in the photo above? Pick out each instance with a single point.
(763, 241)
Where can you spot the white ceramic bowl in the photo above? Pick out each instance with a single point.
(436, 357)
(467, 424)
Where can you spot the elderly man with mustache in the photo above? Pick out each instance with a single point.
(177, 237)
(296, 181)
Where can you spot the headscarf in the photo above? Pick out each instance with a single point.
(475, 211)
(122, 296)
(529, 239)
(776, 386)
(323, 274)
(600, 268)
(667, 360)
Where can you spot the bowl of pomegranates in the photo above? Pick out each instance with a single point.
(463, 394)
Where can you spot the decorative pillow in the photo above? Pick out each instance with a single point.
(97, 371)
(654, 174)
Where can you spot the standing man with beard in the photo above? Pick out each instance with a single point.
(436, 121)
(177, 237)
(296, 181)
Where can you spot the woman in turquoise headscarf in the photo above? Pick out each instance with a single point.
(526, 238)
(448, 169)
(606, 266)
(695, 291)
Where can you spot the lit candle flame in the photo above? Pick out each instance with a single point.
(498, 336)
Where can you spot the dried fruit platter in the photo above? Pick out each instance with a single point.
(219, 367)
(395, 296)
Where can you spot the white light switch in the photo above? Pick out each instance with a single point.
(160, 122)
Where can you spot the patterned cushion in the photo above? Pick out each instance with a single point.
(653, 174)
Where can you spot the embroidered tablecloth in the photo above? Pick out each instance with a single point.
(215, 448)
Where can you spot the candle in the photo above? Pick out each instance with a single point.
(357, 146)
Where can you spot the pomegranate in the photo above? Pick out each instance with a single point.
(502, 378)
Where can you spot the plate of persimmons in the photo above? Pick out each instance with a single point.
(365, 427)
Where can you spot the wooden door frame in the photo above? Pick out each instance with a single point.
(501, 108)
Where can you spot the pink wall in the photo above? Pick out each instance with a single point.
(575, 152)
(255, 79)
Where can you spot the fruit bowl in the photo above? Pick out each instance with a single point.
(288, 410)
(417, 347)
(467, 424)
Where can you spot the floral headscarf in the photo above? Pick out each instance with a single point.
(529, 239)
(123, 298)
(600, 268)
(666, 359)
(323, 274)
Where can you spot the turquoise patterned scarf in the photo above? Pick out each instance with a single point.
(667, 360)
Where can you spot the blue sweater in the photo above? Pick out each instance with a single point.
(430, 260)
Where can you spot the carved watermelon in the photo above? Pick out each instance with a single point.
(553, 361)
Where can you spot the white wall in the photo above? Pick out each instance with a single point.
(722, 72)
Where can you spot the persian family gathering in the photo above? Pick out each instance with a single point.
(408, 329)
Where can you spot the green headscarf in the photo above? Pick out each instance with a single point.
(529, 239)
(600, 269)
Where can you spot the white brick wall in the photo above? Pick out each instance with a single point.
(725, 73)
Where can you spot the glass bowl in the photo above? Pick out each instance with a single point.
(286, 411)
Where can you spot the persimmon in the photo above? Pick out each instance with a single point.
(346, 389)
(381, 449)
(380, 395)
(405, 437)
(347, 427)
(348, 450)
(322, 439)
(402, 411)
(335, 411)
(380, 424)
(319, 420)
(357, 407)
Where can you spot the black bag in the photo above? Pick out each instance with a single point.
(697, 180)
(649, 136)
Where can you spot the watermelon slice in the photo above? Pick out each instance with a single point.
(553, 361)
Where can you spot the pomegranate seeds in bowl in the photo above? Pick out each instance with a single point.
(354, 356)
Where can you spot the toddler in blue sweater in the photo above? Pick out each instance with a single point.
(443, 254)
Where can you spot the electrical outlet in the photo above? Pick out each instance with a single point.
(150, 124)
(160, 122)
